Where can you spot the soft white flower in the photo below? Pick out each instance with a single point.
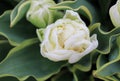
(115, 14)
(67, 39)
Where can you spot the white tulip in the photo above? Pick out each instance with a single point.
(115, 14)
(67, 39)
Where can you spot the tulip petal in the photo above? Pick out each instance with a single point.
(73, 16)
(78, 37)
(115, 15)
(76, 57)
(59, 55)
(46, 44)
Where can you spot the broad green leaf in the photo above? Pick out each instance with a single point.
(108, 70)
(82, 6)
(101, 78)
(113, 78)
(114, 53)
(22, 31)
(108, 65)
(19, 12)
(101, 61)
(25, 60)
(84, 64)
(105, 39)
(79, 70)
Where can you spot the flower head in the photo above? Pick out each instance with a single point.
(67, 39)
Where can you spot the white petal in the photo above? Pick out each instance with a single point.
(43, 49)
(78, 37)
(115, 16)
(59, 55)
(46, 42)
(47, 31)
(76, 57)
(54, 39)
(51, 38)
(80, 46)
(79, 27)
(73, 16)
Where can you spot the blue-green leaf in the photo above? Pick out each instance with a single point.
(25, 60)
(22, 31)
(19, 12)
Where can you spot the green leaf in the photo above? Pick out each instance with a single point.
(101, 61)
(108, 65)
(19, 12)
(84, 64)
(80, 69)
(105, 39)
(22, 31)
(25, 60)
(82, 6)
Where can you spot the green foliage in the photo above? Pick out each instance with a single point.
(19, 12)
(20, 58)
(81, 6)
(24, 61)
(22, 31)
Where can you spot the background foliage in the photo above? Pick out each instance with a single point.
(20, 57)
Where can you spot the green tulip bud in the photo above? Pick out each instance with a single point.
(115, 14)
(39, 13)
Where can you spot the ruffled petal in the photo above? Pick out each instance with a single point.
(76, 57)
(59, 55)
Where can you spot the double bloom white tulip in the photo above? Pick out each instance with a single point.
(67, 39)
(115, 14)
